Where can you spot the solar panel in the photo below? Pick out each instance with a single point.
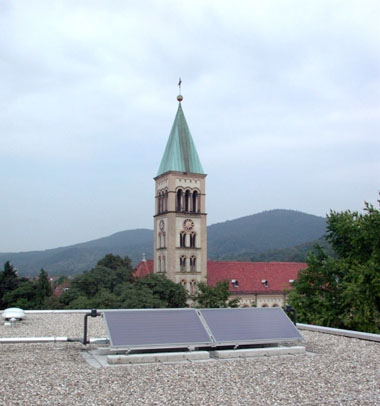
(156, 328)
(250, 325)
(186, 328)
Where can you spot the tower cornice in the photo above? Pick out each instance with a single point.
(179, 173)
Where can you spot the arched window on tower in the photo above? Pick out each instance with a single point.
(179, 200)
(159, 264)
(195, 202)
(182, 263)
(159, 202)
(164, 264)
(160, 240)
(193, 287)
(163, 240)
(193, 240)
(182, 239)
(166, 196)
(187, 200)
(193, 264)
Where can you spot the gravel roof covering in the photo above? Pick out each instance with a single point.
(341, 371)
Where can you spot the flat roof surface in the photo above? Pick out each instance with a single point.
(336, 371)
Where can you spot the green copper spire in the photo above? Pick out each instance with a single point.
(180, 153)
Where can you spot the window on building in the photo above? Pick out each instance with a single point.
(187, 200)
(193, 264)
(195, 202)
(182, 263)
(193, 287)
(179, 200)
(164, 264)
(192, 240)
(159, 264)
(159, 202)
(182, 239)
(166, 195)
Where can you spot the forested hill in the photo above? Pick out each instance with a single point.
(269, 230)
(77, 258)
(244, 237)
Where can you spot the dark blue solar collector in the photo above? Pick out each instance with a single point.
(169, 328)
(250, 326)
(192, 328)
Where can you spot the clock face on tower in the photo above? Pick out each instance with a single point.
(162, 225)
(188, 224)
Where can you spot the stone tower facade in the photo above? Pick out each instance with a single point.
(180, 226)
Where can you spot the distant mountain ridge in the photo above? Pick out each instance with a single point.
(269, 230)
(245, 237)
(77, 258)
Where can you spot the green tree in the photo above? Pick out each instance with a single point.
(114, 262)
(214, 297)
(343, 291)
(8, 282)
(169, 293)
(23, 296)
(317, 294)
(69, 295)
(105, 300)
(52, 303)
(111, 285)
(142, 297)
(79, 302)
(43, 288)
(110, 272)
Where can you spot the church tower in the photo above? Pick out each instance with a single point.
(180, 229)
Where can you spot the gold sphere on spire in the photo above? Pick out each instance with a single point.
(180, 98)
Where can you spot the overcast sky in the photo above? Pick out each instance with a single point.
(282, 99)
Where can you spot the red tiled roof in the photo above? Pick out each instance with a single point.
(249, 275)
(144, 268)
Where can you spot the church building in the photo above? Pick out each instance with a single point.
(180, 232)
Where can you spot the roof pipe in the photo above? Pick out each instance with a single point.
(29, 340)
(84, 341)
(93, 313)
(33, 340)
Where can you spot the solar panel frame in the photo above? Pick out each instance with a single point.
(138, 329)
(245, 326)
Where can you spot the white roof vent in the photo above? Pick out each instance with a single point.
(235, 282)
(13, 313)
(264, 282)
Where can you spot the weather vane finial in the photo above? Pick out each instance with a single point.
(179, 97)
